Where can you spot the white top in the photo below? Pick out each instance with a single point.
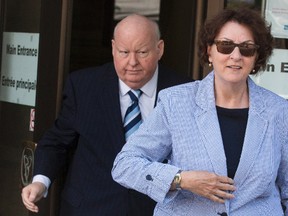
(147, 99)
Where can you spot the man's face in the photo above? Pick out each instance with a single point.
(136, 54)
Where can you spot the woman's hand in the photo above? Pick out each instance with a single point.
(206, 184)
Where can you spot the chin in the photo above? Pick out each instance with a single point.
(134, 84)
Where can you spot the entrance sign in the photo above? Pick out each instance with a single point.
(276, 14)
(275, 77)
(19, 68)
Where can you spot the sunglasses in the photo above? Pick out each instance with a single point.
(227, 47)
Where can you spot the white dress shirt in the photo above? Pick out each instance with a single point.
(147, 99)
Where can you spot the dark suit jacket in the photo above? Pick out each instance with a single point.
(90, 121)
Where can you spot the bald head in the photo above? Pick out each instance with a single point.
(138, 23)
(136, 50)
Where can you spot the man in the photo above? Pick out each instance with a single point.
(91, 120)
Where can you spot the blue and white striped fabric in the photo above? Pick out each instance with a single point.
(132, 119)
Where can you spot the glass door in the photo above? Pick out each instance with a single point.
(19, 56)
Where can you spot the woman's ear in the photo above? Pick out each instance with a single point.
(209, 53)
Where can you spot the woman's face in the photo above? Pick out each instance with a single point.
(233, 67)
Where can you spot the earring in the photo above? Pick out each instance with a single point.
(253, 70)
(210, 64)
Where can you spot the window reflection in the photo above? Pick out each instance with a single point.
(258, 5)
(255, 4)
(148, 8)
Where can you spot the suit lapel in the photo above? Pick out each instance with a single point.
(111, 106)
(207, 123)
(161, 82)
(255, 133)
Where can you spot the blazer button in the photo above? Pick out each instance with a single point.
(149, 178)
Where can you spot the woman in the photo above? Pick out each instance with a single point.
(226, 139)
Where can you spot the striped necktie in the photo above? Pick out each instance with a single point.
(132, 119)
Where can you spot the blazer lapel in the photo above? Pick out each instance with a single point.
(207, 122)
(111, 106)
(255, 133)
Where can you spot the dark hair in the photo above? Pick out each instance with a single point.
(261, 32)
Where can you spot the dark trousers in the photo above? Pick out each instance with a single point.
(140, 204)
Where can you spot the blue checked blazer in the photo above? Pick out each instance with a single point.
(184, 128)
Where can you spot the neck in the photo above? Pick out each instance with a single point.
(232, 96)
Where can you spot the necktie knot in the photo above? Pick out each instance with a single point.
(135, 94)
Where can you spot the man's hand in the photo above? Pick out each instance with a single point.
(31, 194)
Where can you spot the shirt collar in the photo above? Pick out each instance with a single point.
(148, 89)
